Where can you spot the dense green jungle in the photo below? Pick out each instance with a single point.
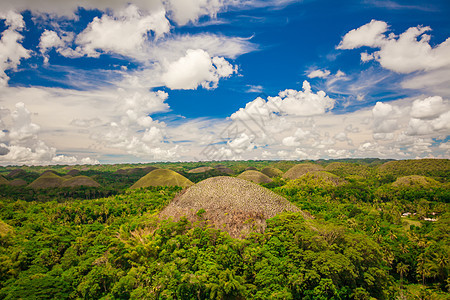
(375, 229)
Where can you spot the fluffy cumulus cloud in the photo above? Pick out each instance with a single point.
(409, 52)
(371, 35)
(123, 33)
(196, 68)
(189, 11)
(11, 49)
(288, 102)
(429, 116)
(20, 143)
(384, 120)
(400, 129)
(134, 131)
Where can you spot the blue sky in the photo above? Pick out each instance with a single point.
(141, 81)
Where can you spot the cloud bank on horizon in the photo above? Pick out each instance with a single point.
(83, 82)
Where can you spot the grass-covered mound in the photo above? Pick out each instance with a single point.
(272, 172)
(47, 180)
(301, 169)
(426, 167)
(255, 176)
(415, 181)
(79, 181)
(162, 177)
(200, 170)
(251, 168)
(16, 173)
(73, 172)
(17, 182)
(317, 179)
(224, 169)
(49, 172)
(348, 170)
(131, 171)
(232, 204)
(3, 180)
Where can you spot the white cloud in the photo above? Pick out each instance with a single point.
(339, 74)
(50, 39)
(409, 52)
(319, 74)
(254, 88)
(341, 136)
(196, 68)
(385, 121)
(304, 103)
(183, 11)
(11, 50)
(429, 116)
(370, 34)
(291, 141)
(124, 33)
(365, 57)
(21, 144)
(175, 46)
(288, 102)
(429, 108)
(441, 124)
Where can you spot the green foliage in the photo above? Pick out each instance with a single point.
(108, 242)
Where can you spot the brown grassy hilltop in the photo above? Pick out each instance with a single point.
(47, 180)
(162, 177)
(130, 171)
(415, 181)
(235, 205)
(255, 176)
(272, 172)
(73, 172)
(51, 180)
(200, 170)
(3, 180)
(15, 173)
(80, 181)
(301, 169)
(17, 182)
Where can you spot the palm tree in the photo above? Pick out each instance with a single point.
(402, 269)
(423, 267)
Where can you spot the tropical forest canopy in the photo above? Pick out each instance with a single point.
(358, 229)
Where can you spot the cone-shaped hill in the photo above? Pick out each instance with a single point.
(47, 180)
(3, 180)
(224, 169)
(272, 172)
(255, 176)
(131, 171)
(348, 169)
(229, 204)
(301, 169)
(415, 181)
(51, 180)
(73, 172)
(16, 172)
(200, 170)
(162, 177)
(49, 172)
(425, 167)
(17, 182)
(317, 179)
(80, 181)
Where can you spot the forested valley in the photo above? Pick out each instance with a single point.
(375, 229)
